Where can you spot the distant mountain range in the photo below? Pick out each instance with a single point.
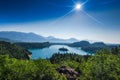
(11, 36)
(31, 37)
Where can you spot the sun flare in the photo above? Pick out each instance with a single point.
(78, 6)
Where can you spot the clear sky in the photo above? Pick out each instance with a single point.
(96, 20)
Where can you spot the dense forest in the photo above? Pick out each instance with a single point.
(91, 47)
(14, 50)
(104, 65)
(33, 45)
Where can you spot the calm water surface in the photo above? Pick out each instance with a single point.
(47, 52)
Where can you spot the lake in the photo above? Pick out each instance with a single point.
(49, 51)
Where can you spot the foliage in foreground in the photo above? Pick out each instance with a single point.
(102, 66)
(105, 65)
(13, 69)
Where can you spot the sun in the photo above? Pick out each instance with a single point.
(78, 6)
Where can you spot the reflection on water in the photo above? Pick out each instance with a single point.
(47, 52)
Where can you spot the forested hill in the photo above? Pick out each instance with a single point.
(28, 45)
(87, 44)
(13, 50)
(92, 47)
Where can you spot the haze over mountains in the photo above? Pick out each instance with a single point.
(31, 37)
(18, 37)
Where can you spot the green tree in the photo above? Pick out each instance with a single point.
(102, 66)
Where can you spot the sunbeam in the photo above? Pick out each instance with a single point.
(62, 16)
(73, 1)
(93, 18)
(77, 6)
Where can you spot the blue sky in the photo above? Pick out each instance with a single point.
(97, 19)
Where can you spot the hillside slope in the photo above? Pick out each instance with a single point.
(13, 50)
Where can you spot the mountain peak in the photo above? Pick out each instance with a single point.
(32, 37)
(50, 37)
